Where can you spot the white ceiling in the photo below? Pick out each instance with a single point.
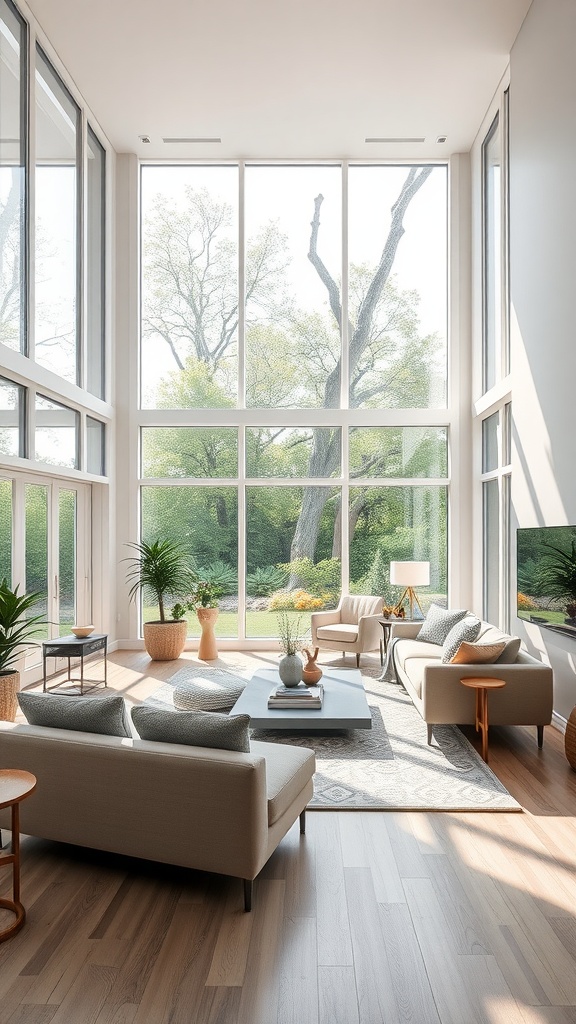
(285, 78)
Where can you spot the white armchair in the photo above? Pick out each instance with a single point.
(352, 627)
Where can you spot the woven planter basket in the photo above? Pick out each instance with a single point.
(9, 686)
(570, 739)
(165, 640)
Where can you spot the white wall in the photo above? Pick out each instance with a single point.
(543, 292)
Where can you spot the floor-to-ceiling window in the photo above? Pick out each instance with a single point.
(493, 405)
(53, 413)
(294, 424)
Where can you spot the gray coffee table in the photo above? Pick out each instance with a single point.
(345, 705)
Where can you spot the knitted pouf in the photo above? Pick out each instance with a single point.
(212, 691)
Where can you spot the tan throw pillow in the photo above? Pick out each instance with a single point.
(478, 654)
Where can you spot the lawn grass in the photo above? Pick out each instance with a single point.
(259, 625)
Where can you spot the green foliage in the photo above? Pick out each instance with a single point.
(318, 577)
(162, 567)
(221, 575)
(265, 580)
(556, 576)
(17, 627)
(204, 595)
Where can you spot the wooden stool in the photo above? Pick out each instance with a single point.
(15, 786)
(482, 684)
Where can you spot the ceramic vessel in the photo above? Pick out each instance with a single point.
(311, 672)
(207, 651)
(290, 669)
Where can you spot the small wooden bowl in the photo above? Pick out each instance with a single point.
(81, 631)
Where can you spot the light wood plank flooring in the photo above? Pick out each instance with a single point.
(429, 918)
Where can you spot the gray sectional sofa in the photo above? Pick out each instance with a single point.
(437, 693)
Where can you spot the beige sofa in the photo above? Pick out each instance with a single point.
(352, 627)
(213, 810)
(440, 698)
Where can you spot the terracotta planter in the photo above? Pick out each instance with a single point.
(165, 640)
(207, 650)
(9, 686)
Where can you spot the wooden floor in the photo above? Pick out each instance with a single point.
(370, 917)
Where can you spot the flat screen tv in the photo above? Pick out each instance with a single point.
(546, 559)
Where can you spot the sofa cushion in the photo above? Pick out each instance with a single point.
(414, 669)
(405, 650)
(286, 774)
(339, 631)
(492, 634)
(438, 623)
(465, 630)
(193, 728)
(478, 654)
(104, 715)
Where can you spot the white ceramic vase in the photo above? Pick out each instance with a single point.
(290, 669)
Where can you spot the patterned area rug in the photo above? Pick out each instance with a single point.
(391, 766)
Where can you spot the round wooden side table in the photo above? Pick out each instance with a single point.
(15, 786)
(482, 684)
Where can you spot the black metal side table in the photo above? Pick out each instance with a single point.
(76, 647)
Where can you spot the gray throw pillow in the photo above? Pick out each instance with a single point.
(194, 728)
(466, 630)
(104, 715)
(438, 623)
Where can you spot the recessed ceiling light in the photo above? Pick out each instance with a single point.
(144, 138)
(174, 141)
(394, 140)
(441, 138)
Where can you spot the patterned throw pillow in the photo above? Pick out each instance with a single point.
(478, 654)
(438, 623)
(104, 715)
(193, 728)
(466, 629)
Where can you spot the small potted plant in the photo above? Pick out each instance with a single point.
(204, 601)
(17, 628)
(290, 638)
(163, 568)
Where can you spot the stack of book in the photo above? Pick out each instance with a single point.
(301, 696)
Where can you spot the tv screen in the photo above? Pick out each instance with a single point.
(546, 559)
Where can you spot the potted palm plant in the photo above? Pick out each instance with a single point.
(17, 628)
(162, 567)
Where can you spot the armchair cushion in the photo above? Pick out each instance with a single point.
(340, 631)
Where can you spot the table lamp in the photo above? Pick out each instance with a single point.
(410, 575)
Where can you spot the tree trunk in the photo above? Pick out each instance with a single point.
(322, 460)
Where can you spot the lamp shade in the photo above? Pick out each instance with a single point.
(410, 574)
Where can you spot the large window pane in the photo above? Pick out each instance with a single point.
(67, 560)
(492, 217)
(399, 451)
(189, 452)
(293, 268)
(95, 251)
(11, 418)
(12, 175)
(491, 537)
(287, 567)
(490, 431)
(95, 446)
(6, 530)
(56, 433)
(205, 521)
(397, 524)
(189, 287)
(36, 555)
(398, 285)
(297, 451)
(56, 196)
